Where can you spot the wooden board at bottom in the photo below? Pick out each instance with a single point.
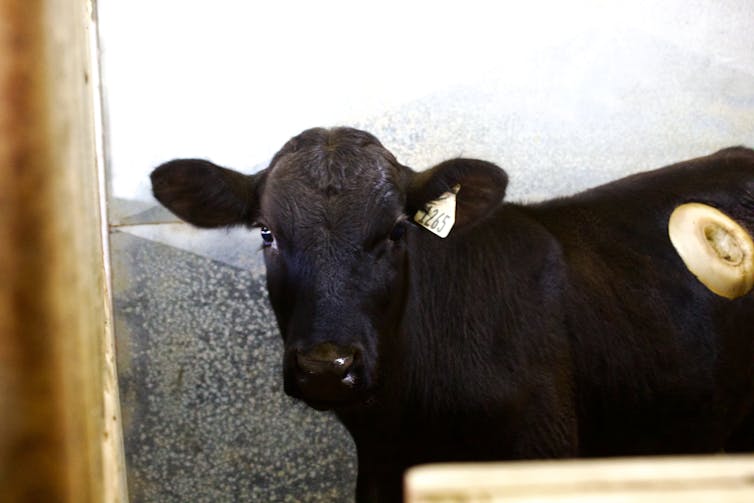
(672, 479)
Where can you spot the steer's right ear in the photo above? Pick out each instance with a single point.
(207, 195)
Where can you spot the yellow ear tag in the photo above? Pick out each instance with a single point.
(439, 216)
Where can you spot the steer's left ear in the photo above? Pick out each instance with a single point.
(207, 195)
(482, 188)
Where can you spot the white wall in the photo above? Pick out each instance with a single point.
(232, 80)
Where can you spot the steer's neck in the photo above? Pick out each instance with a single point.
(468, 311)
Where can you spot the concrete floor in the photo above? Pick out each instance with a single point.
(562, 98)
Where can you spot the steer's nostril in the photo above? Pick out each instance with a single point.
(326, 358)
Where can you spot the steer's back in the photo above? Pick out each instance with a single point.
(662, 363)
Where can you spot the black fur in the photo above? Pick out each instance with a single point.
(566, 328)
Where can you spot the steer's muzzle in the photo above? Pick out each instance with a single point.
(326, 375)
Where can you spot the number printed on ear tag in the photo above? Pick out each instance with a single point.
(438, 216)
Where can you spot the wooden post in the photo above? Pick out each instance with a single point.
(54, 323)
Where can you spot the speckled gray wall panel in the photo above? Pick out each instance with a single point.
(205, 416)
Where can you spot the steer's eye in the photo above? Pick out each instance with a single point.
(267, 237)
(399, 230)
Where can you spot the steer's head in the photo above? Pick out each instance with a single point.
(334, 209)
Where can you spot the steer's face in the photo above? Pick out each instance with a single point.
(333, 208)
(333, 225)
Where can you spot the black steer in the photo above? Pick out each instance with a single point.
(565, 328)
